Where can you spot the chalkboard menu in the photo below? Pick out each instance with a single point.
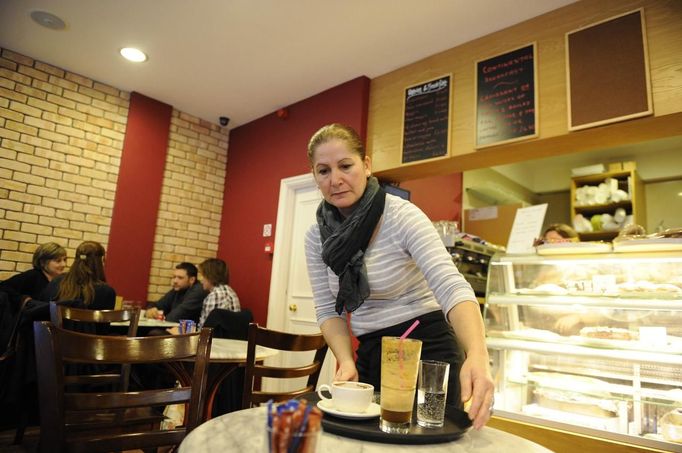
(506, 107)
(427, 119)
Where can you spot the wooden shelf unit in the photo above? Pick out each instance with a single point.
(629, 181)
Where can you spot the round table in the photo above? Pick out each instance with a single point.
(226, 355)
(243, 431)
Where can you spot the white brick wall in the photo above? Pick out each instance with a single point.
(188, 225)
(57, 176)
(61, 136)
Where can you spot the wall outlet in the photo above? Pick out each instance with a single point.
(267, 230)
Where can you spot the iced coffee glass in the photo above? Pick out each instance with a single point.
(399, 367)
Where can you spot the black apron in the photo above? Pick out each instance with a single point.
(438, 343)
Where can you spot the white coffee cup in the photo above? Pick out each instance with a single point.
(348, 396)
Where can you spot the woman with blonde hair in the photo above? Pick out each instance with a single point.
(85, 281)
(49, 261)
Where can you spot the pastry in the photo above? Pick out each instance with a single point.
(576, 403)
(608, 333)
(671, 426)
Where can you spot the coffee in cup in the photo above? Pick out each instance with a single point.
(348, 396)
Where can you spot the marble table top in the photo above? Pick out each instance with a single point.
(227, 350)
(149, 322)
(243, 431)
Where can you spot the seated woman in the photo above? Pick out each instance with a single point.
(85, 281)
(215, 276)
(49, 261)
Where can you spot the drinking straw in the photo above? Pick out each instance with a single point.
(400, 348)
(410, 329)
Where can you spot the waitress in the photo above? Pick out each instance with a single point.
(379, 257)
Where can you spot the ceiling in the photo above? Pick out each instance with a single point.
(247, 58)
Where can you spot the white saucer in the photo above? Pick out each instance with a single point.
(374, 410)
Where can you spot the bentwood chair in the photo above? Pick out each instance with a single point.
(91, 422)
(84, 320)
(260, 336)
(60, 312)
(233, 325)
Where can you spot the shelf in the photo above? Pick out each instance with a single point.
(584, 351)
(656, 302)
(629, 181)
(591, 209)
(598, 235)
(598, 178)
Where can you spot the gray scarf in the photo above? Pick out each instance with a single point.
(344, 242)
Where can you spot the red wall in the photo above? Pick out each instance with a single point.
(440, 197)
(260, 154)
(138, 192)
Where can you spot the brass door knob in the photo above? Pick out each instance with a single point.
(293, 307)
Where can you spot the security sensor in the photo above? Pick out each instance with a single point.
(224, 121)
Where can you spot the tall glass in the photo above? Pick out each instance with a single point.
(399, 367)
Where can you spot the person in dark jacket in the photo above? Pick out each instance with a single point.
(85, 281)
(49, 261)
(184, 300)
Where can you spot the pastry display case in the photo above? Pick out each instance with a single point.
(590, 344)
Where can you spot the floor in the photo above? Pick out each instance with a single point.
(29, 445)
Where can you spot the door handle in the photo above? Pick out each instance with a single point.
(293, 307)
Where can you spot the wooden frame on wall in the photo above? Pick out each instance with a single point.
(506, 104)
(427, 111)
(607, 72)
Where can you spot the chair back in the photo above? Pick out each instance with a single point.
(103, 421)
(229, 324)
(260, 336)
(60, 312)
(65, 311)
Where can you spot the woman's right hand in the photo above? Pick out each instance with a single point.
(346, 372)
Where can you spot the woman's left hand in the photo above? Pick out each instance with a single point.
(477, 386)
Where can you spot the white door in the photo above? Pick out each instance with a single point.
(290, 306)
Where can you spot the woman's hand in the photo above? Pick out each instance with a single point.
(477, 386)
(346, 372)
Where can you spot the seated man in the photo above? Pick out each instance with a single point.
(186, 298)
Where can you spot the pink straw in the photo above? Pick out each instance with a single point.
(410, 329)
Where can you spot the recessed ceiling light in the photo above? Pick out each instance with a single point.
(133, 54)
(48, 20)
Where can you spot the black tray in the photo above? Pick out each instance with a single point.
(456, 424)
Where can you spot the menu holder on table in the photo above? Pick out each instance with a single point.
(456, 425)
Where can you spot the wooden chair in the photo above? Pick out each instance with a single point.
(60, 312)
(260, 336)
(91, 422)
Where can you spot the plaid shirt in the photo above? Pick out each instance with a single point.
(220, 297)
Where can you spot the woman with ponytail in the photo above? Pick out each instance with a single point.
(85, 281)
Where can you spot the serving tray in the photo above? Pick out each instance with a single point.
(456, 424)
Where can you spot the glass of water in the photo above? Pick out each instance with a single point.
(431, 393)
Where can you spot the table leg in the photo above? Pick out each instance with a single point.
(223, 370)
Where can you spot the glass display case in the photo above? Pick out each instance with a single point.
(589, 344)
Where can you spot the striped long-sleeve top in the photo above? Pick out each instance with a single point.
(409, 270)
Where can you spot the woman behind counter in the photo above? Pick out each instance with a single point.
(49, 261)
(380, 257)
(85, 281)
